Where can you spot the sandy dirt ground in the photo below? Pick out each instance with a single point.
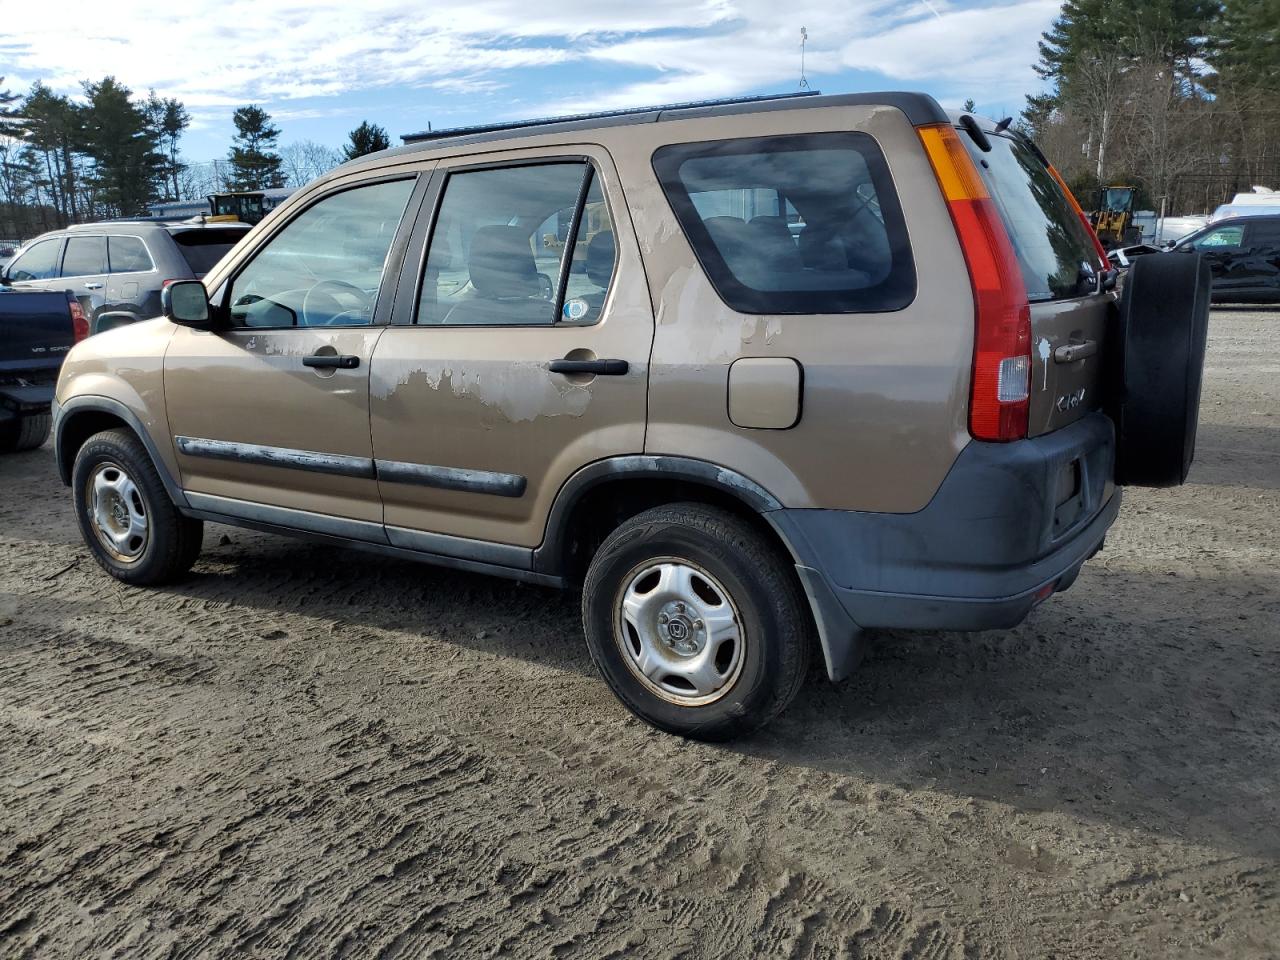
(301, 752)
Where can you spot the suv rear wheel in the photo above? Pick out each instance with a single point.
(696, 622)
(127, 519)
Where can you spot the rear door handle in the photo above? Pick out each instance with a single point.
(1071, 352)
(332, 361)
(601, 368)
(93, 286)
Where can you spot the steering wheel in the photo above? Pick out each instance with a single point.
(335, 292)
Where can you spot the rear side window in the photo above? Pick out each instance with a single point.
(85, 257)
(128, 255)
(793, 224)
(202, 249)
(1051, 243)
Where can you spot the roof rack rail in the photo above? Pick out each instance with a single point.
(427, 135)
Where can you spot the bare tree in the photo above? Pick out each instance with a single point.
(1096, 86)
(304, 160)
(1164, 126)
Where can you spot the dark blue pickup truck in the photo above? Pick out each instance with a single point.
(37, 328)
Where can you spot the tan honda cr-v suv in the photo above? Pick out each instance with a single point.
(756, 375)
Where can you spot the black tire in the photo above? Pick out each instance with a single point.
(172, 542)
(1159, 364)
(761, 586)
(25, 433)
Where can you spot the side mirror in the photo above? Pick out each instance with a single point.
(186, 302)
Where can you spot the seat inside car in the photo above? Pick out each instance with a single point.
(505, 280)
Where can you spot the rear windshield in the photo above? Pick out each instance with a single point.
(792, 224)
(1047, 235)
(204, 248)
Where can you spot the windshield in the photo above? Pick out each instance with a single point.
(1117, 199)
(1050, 241)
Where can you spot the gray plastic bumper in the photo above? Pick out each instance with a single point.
(1011, 524)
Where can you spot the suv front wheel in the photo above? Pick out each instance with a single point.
(127, 519)
(696, 621)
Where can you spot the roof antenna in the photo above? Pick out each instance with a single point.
(804, 38)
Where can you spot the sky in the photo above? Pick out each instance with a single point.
(320, 67)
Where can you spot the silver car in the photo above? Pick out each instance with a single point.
(117, 269)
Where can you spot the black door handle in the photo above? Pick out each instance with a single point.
(333, 361)
(601, 368)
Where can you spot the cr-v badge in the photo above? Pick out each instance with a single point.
(1069, 401)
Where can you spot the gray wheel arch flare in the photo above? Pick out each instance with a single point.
(837, 632)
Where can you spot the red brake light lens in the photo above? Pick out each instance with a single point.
(79, 322)
(999, 400)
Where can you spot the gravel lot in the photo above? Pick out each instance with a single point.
(312, 753)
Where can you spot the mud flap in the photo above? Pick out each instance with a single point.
(842, 640)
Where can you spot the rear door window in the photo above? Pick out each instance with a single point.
(1265, 234)
(525, 245)
(202, 249)
(85, 257)
(128, 255)
(792, 224)
(1054, 250)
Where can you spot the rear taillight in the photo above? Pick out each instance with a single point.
(1103, 260)
(79, 322)
(999, 399)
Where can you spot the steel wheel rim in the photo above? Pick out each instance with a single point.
(117, 512)
(679, 631)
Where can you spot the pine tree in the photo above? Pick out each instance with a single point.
(1120, 30)
(366, 139)
(54, 130)
(9, 125)
(127, 166)
(1244, 44)
(168, 118)
(255, 164)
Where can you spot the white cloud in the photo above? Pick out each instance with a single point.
(985, 45)
(216, 54)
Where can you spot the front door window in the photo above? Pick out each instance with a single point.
(39, 262)
(324, 269)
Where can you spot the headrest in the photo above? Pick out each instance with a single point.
(729, 234)
(822, 249)
(501, 263)
(772, 238)
(600, 252)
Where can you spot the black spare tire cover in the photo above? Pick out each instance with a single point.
(1158, 366)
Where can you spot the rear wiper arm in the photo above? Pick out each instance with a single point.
(975, 132)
